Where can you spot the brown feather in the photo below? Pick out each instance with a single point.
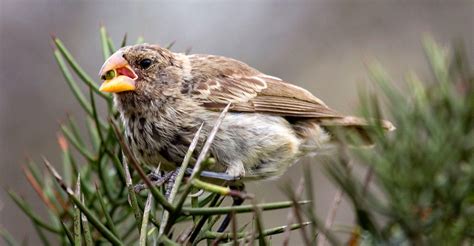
(252, 91)
(351, 121)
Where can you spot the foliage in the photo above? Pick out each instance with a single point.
(425, 169)
(422, 190)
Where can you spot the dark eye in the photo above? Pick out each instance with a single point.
(145, 63)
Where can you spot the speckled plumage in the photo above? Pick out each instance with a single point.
(270, 125)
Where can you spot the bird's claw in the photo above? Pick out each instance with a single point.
(156, 180)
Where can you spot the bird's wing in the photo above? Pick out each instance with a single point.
(217, 81)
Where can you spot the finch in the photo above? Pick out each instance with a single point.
(164, 97)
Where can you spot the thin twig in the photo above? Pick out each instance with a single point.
(146, 214)
(208, 143)
(131, 158)
(184, 165)
(132, 198)
(197, 228)
(286, 236)
(297, 211)
(333, 210)
(39, 190)
(179, 177)
(234, 228)
(77, 214)
(259, 224)
(86, 229)
(240, 209)
(197, 167)
(77, 201)
(368, 178)
(291, 215)
(244, 235)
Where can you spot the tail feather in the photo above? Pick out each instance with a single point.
(341, 128)
(356, 122)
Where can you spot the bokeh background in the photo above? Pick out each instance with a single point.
(321, 45)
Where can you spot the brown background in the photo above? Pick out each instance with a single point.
(321, 45)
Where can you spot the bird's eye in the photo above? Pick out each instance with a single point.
(145, 63)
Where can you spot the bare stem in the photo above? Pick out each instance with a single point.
(333, 210)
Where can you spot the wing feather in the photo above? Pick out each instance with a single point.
(220, 80)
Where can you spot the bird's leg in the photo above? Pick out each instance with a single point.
(170, 182)
(236, 201)
(215, 175)
(156, 180)
(170, 177)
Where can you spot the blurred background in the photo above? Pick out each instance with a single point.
(321, 45)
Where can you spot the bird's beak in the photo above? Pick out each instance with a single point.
(117, 74)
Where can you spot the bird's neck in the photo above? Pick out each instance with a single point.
(129, 103)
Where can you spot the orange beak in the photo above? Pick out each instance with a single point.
(117, 74)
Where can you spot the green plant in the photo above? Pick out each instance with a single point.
(419, 187)
(424, 171)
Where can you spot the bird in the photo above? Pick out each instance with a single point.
(164, 97)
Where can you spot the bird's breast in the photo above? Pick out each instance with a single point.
(156, 140)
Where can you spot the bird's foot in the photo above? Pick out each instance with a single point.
(170, 182)
(156, 180)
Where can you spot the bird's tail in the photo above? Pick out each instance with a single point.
(353, 121)
(342, 127)
(321, 134)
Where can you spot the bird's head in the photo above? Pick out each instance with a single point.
(134, 68)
